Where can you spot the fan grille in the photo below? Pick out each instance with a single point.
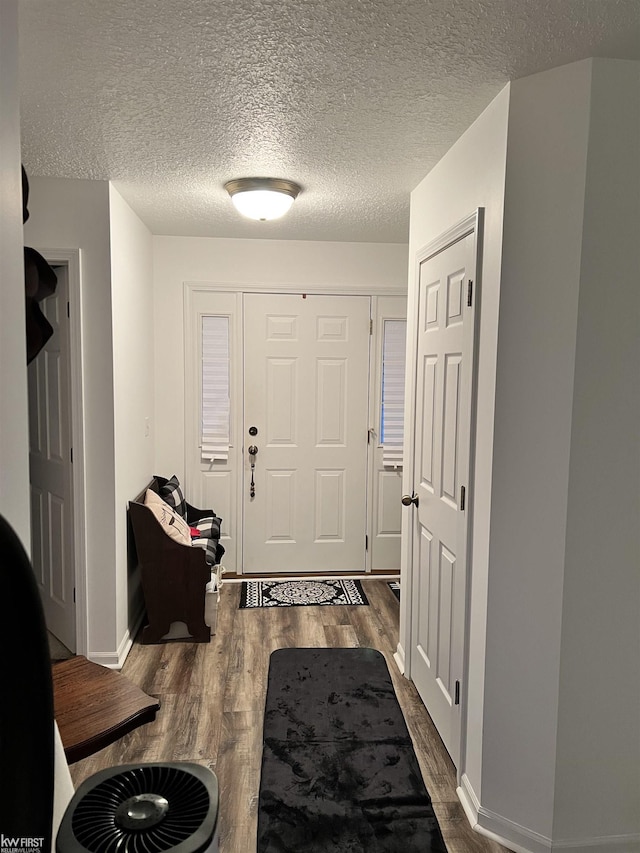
(94, 824)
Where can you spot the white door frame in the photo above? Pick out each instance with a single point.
(71, 258)
(472, 224)
(190, 364)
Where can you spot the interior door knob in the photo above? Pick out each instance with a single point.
(407, 500)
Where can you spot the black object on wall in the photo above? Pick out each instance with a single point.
(40, 281)
(26, 707)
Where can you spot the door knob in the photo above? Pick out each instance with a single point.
(253, 450)
(407, 500)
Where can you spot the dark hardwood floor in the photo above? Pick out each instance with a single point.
(212, 702)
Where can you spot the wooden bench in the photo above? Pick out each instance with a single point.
(173, 576)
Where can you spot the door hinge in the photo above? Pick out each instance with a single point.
(366, 543)
(370, 327)
(68, 310)
(456, 701)
(71, 454)
(463, 495)
(469, 293)
(74, 595)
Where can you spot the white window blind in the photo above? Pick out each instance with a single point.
(393, 369)
(214, 439)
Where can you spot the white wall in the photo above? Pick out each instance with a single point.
(471, 175)
(561, 750)
(14, 447)
(599, 703)
(74, 214)
(544, 199)
(553, 734)
(236, 263)
(133, 376)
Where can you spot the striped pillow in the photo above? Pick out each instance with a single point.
(171, 493)
(209, 528)
(209, 534)
(209, 546)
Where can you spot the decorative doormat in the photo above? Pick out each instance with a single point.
(394, 586)
(339, 772)
(300, 593)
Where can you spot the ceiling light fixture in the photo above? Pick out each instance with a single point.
(262, 198)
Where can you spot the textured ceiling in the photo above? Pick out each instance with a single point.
(354, 99)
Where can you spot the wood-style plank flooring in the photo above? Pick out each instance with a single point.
(212, 703)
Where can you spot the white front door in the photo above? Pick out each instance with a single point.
(443, 395)
(52, 552)
(306, 389)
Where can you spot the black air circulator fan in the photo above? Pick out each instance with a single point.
(146, 808)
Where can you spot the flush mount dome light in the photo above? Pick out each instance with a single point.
(262, 198)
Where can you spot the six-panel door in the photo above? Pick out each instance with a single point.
(443, 405)
(50, 471)
(306, 386)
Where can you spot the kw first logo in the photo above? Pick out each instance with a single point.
(19, 844)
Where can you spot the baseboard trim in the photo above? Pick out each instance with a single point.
(617, 843)
(231, 577)
(398, 657)
(115, 660)
(469, 800)
(495, 827)
(522, 840)
(109, 659)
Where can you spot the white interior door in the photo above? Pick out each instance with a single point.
(52, 550)
(306, 388)
(443, 394)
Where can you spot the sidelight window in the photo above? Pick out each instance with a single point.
(392, 409)
(215, 397)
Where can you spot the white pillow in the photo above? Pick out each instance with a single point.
(174, 525)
